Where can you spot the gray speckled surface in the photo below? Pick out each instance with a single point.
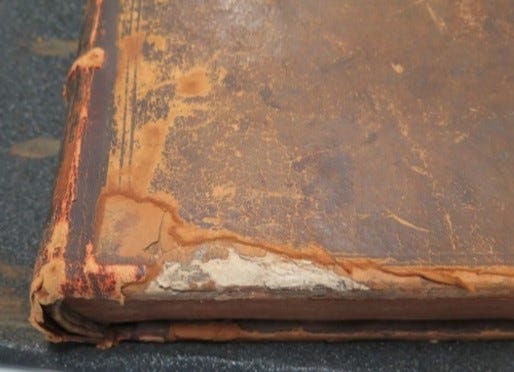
(31, 106)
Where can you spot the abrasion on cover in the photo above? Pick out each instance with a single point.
(284, 170)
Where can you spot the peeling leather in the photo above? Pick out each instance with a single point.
(93, 58)
(180, 241)
(266, 138)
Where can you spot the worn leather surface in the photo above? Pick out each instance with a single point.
(370, 130)
(26, 190)
(371, 142)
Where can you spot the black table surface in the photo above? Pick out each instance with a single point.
(31, 106)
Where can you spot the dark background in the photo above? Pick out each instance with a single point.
(31, 106)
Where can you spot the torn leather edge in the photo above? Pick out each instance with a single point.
(50, 275)
(50, 268)
(375, 273)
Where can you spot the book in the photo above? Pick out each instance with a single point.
(283, 171)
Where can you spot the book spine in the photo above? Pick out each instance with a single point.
(49, 275)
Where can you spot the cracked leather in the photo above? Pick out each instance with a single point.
(283, 150)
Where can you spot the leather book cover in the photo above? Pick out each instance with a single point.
(269, 170)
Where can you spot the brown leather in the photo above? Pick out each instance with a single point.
(284, 149)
